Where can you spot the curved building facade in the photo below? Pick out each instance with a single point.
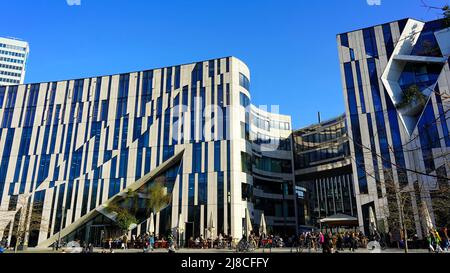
(71, 148)
(323, 172)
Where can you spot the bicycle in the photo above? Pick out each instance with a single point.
(246, 246)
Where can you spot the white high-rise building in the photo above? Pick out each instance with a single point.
(13, 59)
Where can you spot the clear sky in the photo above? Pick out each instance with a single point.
(290, 46)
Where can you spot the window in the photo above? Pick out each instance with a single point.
(247, 192)
(105, 106)
(370, 43)
(344, 40)
(2, 95)
(388, 41)
(217, 154)
(169, 80)
(177, 77)
(244, 82)
(246, 163)
(351, 96)
(245, 101)
(197, 157)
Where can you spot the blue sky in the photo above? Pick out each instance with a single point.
(290, 46)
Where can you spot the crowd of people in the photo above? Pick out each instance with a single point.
(438, 241)
(147, 242)
(326, 242)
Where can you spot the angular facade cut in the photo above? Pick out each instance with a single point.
(323, 172)
(71, 148)
(13, 60)
(396, 86)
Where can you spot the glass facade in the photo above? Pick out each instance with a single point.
(323, 172)
(391, 125)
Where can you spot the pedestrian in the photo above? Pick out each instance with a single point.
(438, 241)
(152, 241)
(446, 242)
(110, 244)
(430, 240)
(125, 242)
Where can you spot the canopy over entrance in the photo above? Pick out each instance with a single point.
(340, 220)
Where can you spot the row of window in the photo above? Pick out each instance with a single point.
(267, 125)
(10, 60)
(285, 188)
(14, 54)
(13, 47)
(272, 165)
(260, 139)
(275, 207)
(9, 81)
(282, 144)
(11, 74)
(12, 67)
(308, 159)
(312, 141)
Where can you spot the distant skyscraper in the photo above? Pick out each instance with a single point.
(13, 59)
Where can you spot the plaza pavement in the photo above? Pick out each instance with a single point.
(225, 251)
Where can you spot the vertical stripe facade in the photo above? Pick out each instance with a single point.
(69, 146)
(388, 140)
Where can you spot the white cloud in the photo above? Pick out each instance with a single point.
(73, 2)
(374, 2)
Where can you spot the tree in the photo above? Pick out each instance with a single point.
(124, 219)
(25, 222)
(400, 199)
(157, 197)
(445, 11)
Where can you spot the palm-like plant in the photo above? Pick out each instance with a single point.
(157, 197)
(132, 201)
(412, 95)
(124, 218)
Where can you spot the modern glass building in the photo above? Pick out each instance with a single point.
(323, 172)
(396, 88)
(13, 59)
(69, 149)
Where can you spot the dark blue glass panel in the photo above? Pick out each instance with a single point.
(388, 41)
(429, 137)
(244, 81)
(202, 189)
(360, 87)
(370, 42)
(217, 154)
(344, 40)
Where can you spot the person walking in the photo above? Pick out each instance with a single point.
(438, 241)
(431, 241)
(340, 242)
(152, 241)
(125, 242)
(446, 241)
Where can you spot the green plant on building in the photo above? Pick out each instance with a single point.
(157, 197)
(124, 219)
(410, 96)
